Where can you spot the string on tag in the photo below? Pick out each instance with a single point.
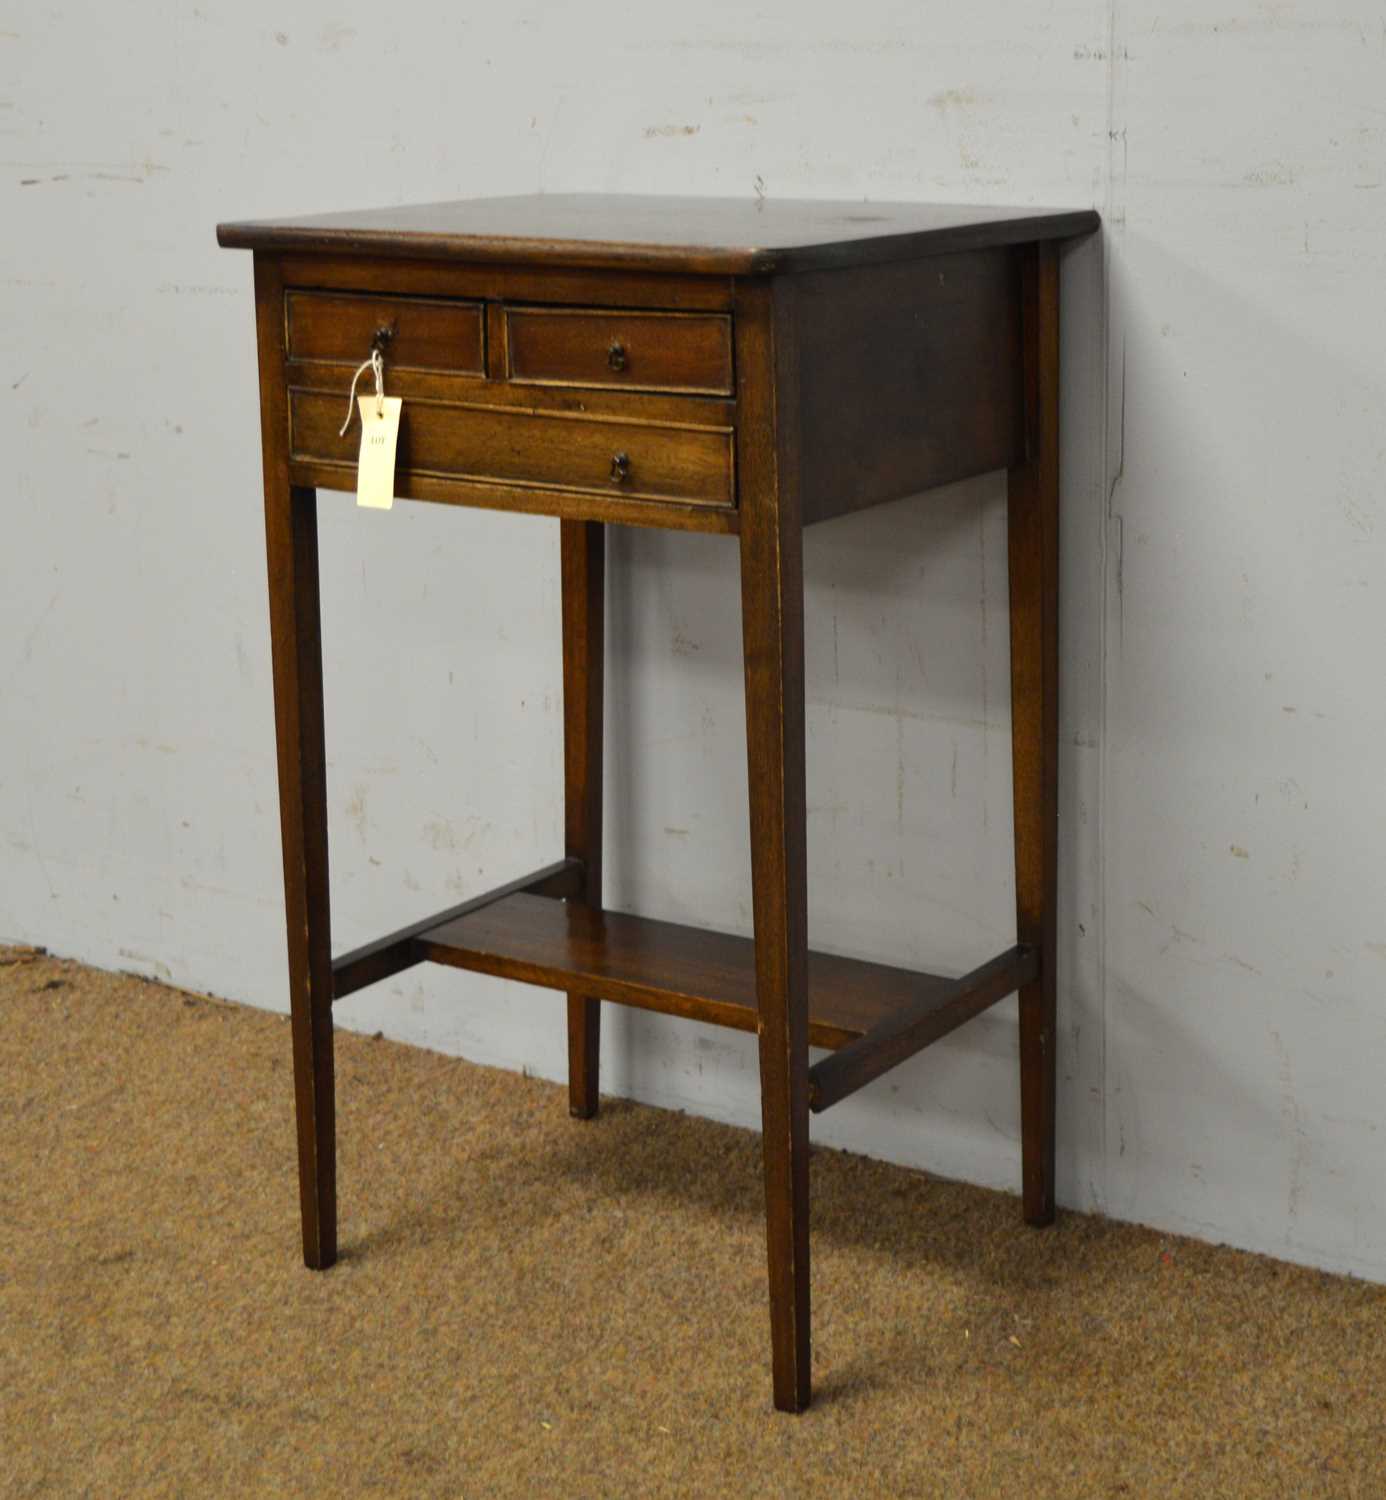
(376, 364)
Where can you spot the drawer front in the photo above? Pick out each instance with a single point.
(427, 333)
(503, 445)
(680, 352)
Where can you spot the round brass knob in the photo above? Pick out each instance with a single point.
(620, 468)
(616, 356)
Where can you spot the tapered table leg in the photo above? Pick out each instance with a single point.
(772, 616)
(1034, 589)
(293, 554)
(583, 547)
(291, 539)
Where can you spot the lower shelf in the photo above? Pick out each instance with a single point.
(661, 966)
(871, 1016)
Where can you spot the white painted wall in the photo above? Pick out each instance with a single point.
(1224, 555)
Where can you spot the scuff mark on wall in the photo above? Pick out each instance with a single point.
(1293, 1118)
(26, 646)
(955, 99)
(92, 171)
(356, 810)
(334, 36)
(1273, 174)
(155, 964)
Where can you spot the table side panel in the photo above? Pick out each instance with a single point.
(910, 377)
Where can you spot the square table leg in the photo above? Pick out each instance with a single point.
(1033, 524)
(772, 623)
(291, 546)
(292, 537)
(583, 563)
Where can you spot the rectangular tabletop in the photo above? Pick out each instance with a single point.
(726, 236)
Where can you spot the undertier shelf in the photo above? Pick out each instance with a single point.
(872, 1016)
(682, 971)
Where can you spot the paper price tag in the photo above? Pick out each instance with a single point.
(375, 468)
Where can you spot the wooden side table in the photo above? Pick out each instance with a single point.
(715, 365)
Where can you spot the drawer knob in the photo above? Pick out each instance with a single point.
(616, 356)
(620, 468)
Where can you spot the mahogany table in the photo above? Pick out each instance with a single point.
(748, 368)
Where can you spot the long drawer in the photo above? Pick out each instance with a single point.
(518, 446)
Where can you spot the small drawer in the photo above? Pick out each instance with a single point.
(516, 446)
(638, 351)
(426, 333)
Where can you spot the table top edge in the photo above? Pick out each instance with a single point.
(321, 236)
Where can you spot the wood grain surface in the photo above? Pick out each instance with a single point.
(733, 236)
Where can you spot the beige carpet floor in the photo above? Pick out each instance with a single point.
(531, 1306)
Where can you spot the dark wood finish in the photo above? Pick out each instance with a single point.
(1033, 529)
(291, 547)
(669, 968)
(775, 364)
(582, 549)
(424, 333)
(550, 450)
(638, 408)
(332, 380)
(913, 1027)
(726, 236)
(399, 950)
(523, 500)
(772, 629)
(638, 351)
(517, 282)
(930, 351)
(495, 346)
